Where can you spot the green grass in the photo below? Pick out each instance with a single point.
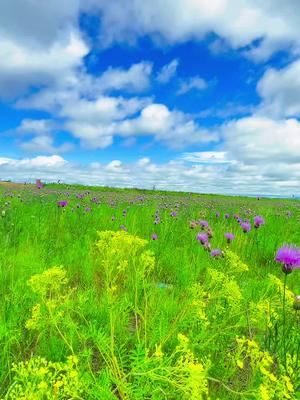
(121, 316)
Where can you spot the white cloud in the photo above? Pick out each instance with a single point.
(35, 126)
(239, 22)
(174, 128)
(134, 79)
(23, 66)
(195, 82)
(206, 157)
(44, 144)
(261, 140)
(168, 71)
(280, 91)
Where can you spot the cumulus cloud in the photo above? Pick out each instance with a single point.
(135, 79)
(168, 71)
(44, 144)
(259, 140)
(239, 22)
(23, 66)
(280, 91)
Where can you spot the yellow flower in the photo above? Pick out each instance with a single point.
(42, 385)
(182, 338)
(158, 352)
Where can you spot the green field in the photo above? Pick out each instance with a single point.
(92, 307)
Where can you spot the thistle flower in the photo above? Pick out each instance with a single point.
(202, 237)
(289, 256)
(193, 224)
(209, 233)
(203, 224)
(206, 246)
(216, 253)
(62, 203)
(154, 236)
(258, 221)
(229, 236)
(246, 226)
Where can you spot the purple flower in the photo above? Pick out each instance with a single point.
(246, 226)
(258, 221)
(229, 236)
(227, 216)
(87, 209)
(154, 236)
(203, 224)
(193, 224)
(173, 214)
(289, 256)
(216, 253)
(202, 237)
(123, 228)
(39, 184)
(206, 246)
(62, 203)
(217, 214)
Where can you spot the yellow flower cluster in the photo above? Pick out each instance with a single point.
(38, 379)
(273, 384)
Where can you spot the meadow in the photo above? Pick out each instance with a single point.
(130, 294)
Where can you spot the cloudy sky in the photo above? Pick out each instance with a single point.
(195, 95)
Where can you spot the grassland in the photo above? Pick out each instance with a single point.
(93, 306)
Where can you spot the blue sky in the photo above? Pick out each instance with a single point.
(188, 95)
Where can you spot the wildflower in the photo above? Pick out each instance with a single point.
(87, 209)
(62, 203)
(193, 224)
(216, 253)
(289, 256)
(154, 236)
(217, 214)
(202, 237)
(113, 218)
(203, 224)
(258, 221)
(246, 226)
(207, 246)
(229, 236)
(227, 216)
(39, 184)
(123, 228)
(173, 214)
